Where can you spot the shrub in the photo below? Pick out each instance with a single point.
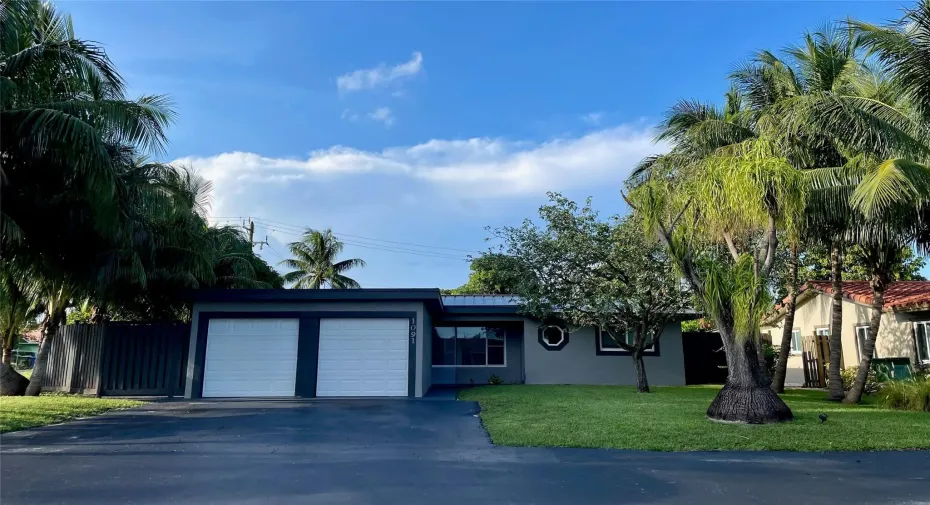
(913, 394)
(849, 376)
(494, 380)
(771, 355)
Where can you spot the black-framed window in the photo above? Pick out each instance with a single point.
(607, 344)
(469, 346)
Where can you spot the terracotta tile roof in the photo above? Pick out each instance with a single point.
(34, 336)
(899, 295)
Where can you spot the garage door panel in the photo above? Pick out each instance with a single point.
(251, 357)
(363, 357)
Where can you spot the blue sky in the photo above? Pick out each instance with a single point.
(397, 124)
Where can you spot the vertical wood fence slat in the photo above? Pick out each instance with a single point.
(119, 359)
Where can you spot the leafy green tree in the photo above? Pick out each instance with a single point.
(314, 264)
(491, 274)
(590, 272)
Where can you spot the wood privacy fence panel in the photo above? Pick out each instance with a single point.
(74, 358)
(705, 361)
(120, 359)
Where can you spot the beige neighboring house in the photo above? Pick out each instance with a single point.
(904, 331)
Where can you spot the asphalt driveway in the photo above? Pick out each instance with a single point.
(404, 452)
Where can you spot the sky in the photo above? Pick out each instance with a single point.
(409, 129)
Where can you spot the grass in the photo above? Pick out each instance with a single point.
(673, 419)
(21, 412)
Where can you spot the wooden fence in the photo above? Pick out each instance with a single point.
(117, 359)
(815, 360)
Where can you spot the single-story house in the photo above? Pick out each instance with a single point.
(903, 333)
(395, 342)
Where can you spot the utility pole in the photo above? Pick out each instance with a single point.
(252, 241)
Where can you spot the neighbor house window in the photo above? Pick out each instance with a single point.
(607, 341)
(922, 333)
(796, 341)
(862, 333)
(467, 346)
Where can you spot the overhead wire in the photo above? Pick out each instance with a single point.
(272, 226)
(300, 229)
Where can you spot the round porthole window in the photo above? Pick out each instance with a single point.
(553, 337)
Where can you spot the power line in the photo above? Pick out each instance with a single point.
(381, 247)
(300, 229)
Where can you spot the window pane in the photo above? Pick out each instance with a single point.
(607, 341)
(471, 346)
(492, 333)
(443, 346)
(923, 342)
(796, 341)
(495, 352)
(862, 333)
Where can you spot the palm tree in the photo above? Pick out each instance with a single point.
(718, 201)
(85, 215)
(314, 264)
(904, 49)
(826, 63)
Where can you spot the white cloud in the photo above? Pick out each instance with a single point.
(380, 75)
(348, 115)
(480, 167)
(382, 114)
(593, 118)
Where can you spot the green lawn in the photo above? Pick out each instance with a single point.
(20, 412)
(673, 419)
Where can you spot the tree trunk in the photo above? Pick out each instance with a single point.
(49, 333)
(763, 366)
(878, 304)
(834, 379)
(784, 350)
(7, 355)
(642, 383)
(11, 382)
(745, 398)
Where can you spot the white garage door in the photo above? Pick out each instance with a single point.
(363, 357)
(250, 357)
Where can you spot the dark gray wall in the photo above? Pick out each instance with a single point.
(511, 373)
(578, 363)
(426, 371)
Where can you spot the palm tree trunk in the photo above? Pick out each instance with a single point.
(49, 333)
(746, 397)
(763, 366)
(9, 340)
(642, 383)
(784, 350)
(878, 305)
(835, 380)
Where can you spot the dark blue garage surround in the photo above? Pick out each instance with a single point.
(308, 344)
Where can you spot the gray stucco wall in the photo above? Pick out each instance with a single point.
(313, 307)
(426, 371)
(578, 363)
(511, 373)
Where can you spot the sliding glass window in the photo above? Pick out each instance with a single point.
(469, 346)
